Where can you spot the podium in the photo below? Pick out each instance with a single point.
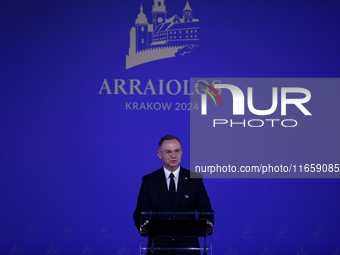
(180, 233)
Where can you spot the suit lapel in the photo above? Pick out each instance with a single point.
(181, 186)
(160, 180)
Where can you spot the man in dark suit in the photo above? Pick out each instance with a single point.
(172, 189)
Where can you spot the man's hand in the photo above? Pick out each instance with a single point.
(144, 229)
(209, 227)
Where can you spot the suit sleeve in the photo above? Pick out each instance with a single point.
(203, 201)
(143, 205)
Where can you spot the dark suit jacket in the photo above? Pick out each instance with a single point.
(154, 196)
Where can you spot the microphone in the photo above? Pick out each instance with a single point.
(198, 206)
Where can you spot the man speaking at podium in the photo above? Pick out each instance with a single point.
(171, 189)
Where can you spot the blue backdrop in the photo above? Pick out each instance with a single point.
(73, 154)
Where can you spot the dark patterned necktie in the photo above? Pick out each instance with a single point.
(172, 190)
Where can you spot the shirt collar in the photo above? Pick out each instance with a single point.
(167, 172)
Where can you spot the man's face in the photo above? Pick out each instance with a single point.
(170, 153)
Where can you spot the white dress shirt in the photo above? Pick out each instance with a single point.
(167, 176)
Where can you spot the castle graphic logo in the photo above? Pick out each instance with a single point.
(164, 37)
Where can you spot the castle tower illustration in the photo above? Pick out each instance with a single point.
(187, 13)
(163, 37)
(158, 13)
(141, 31)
